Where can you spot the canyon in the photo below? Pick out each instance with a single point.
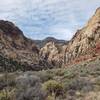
(50, 52)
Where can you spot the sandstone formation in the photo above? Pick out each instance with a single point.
(86, 42)
(83, 46)
(52, 53)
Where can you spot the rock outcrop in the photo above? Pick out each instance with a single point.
(86, 42)
(51, 52)
(83, 46)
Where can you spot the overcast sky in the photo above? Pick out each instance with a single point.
(42, 18)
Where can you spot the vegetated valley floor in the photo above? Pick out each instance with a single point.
(76, 82)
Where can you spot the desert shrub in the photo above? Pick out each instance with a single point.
(97, 81)
(50, 98)
(83, 72)
(29, 88)
(59, 72)
(79, 84)
(2, 84)
(45, 75)
(71, 92)
(5, 94)
(69, 74)
(2, 96)
(53, 87)
(6, 80)
(95, 73)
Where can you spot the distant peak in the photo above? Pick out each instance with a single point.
(50, 38)
(98, 10)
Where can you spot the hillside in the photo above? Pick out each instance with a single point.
(14, 45)
(85, 44)
(77, 82)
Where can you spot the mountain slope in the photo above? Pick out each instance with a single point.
(14, 45)
(86, 42)
(84, 45)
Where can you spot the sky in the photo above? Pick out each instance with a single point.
(39, 19)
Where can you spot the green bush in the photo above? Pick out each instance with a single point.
(53, 88)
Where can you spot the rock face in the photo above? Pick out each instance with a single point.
(84, 45)
(86, 42)
(13, 44)
(52, 53)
